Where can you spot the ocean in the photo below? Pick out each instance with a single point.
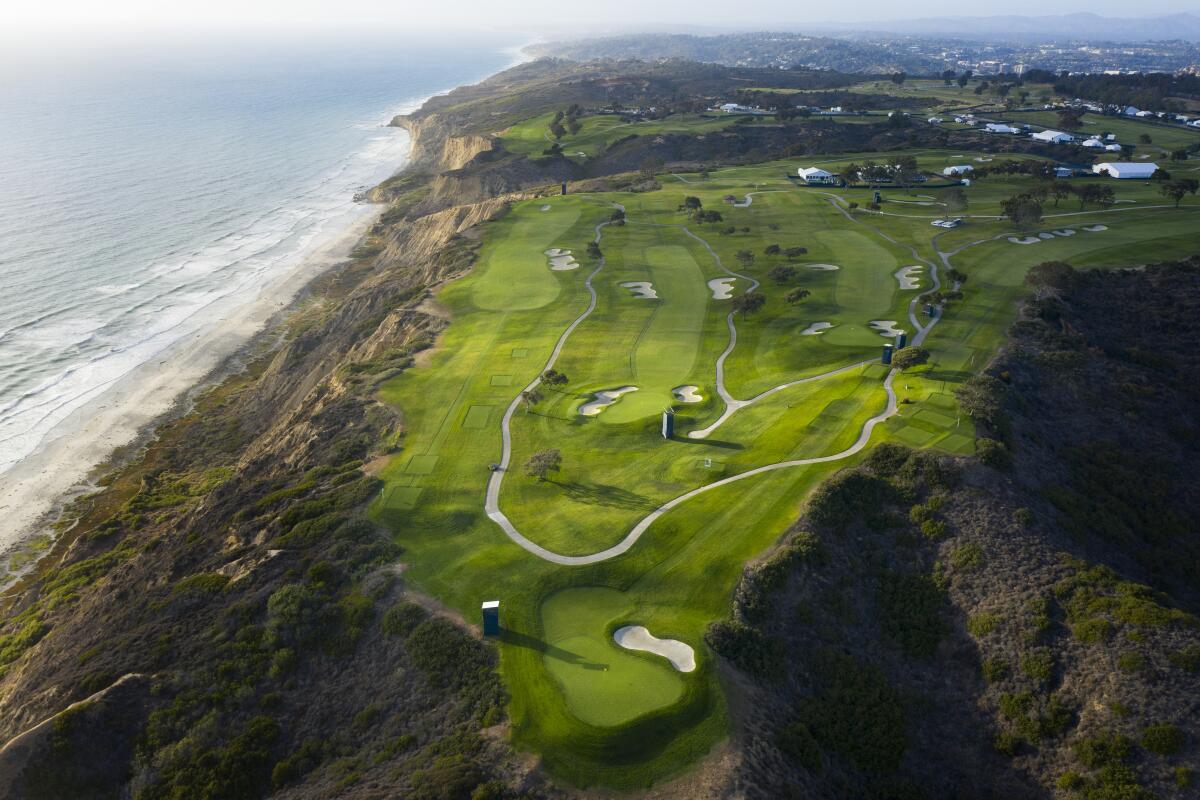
(146, 194)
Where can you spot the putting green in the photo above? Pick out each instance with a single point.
(603, 683)
(516, 274)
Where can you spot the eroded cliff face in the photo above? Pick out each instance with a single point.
(436, 147)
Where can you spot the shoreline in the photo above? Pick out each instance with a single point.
(35, 491)
(89, 442)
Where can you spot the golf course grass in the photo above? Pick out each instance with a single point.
(596, 713)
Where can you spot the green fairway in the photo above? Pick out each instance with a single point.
(597, 714)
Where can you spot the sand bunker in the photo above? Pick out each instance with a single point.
(1065, 232)
(1045, 235)
(721, 288)
(1025, 240)
(687, 394)
(636, 637)
(545, 208)
(983, 159)
(1095, 228)
(908, 277)
(642, 290)
(886, 327)
(823, 267)
(561, 260)
(604, 400)
(816, 329)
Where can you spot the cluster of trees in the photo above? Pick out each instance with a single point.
(566, 122)
(1025, 209)
(790, 253)
(1154, 90)
(694, 208)
(903, 172)
(948, 77)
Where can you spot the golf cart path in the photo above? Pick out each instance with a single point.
(492, 501)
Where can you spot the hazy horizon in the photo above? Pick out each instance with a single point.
(78, 19)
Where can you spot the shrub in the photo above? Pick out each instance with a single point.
(933, 529)
(1038, 664)
(911, 612)
(1186, 658)
(967, 556)
(1164, 739)
(797, 743)
(202, 583)
(994, 669)
(747, 647)
(1102, 749)
(1070, 781)
(402, 618)
(1007, 743)
(1131, 661)
(993, 453)
(982, 624)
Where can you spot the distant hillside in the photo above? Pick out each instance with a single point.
(1059, 26)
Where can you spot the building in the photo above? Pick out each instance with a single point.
(491, 617)
(1113, 148)
(959, 169)
(1063, 172)
(1000, 127)
(1130, 111)
(815, 176)
(934, 120)
(1126, 170)
(1053, 137)
(1093, 143)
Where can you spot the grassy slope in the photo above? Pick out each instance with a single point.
(678, 577)
(532, 136)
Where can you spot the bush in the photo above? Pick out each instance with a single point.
(994, 669)
(1164, 739)
(982, 624)
(911, 612)
(797, 743)
(993, 453)
(1038, 664)
(402, 618)
(748, 648)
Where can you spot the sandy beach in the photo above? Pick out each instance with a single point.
(33, 491)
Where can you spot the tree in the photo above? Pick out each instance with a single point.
(709, 216)
(530, 398)
(1070, 119)
(898, 119)
(1175, 190)
(1050, 275)
(793, 253)
(1059, 190)
(1145, 138)
(897, 78)
(954, 276)
(907, 171)
(691, 205)
(542, 463)
(948, 76)
(650, 165)
(849, 173)
(782, 274)
(593, 250)
(553, 377)
(1095, 194)
(964, 79)
(1023, 210)
(557, 129)
(796, 295)
(745, 258)
(618, 215)
(910, 357)
(955, 199)
(772, 250)
(1179, 155)
(749, 303)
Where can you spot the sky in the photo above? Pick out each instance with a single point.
(553, 17)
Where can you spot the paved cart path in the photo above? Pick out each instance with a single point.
(495, 481)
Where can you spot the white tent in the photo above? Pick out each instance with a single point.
(1126, 170)
(1096, 143)
(1053, 137)
(815, 175)
(961, 169)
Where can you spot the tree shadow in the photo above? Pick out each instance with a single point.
(532, 643)
(710, 443)
(600, 494)
(951, 375)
